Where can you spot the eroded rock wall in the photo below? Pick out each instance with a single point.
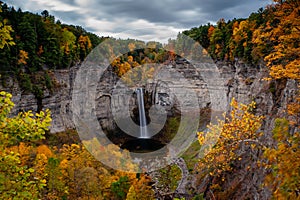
(239, 80)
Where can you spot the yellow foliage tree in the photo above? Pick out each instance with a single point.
(140, 188)
(16, 179)
(131, 46)
(68, 40)
(241, 38)
(5, 33)
(85, 42)
(131, 195)
(238, 137)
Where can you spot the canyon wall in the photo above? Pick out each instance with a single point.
(243, 82)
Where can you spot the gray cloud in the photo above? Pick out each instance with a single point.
(113, 17)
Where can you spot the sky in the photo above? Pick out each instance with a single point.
(146, 20)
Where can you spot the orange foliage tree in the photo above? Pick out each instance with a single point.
(280, 35)
(278, 42)
(23, 57)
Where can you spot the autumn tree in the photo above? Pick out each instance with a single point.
(241, 41)
(217, 46)
(142, 188)
(67, 47)
(43, 153)
(85, 46)
(56, 187)
(6, 41)
(283, 162)
(16, 180)
(277, 42)
(237, 147)
(131, 46)
(5, 32)
(280, 35)
(23, 57)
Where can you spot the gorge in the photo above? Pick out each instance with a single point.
(212, 114)
(241, 81)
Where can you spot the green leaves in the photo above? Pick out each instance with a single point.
(26, 127)
(121, 187)
(5, 105)
(16, 180)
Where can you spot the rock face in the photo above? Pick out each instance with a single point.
(241, 81)
(58, 101)
(177, 89)
(247, 84)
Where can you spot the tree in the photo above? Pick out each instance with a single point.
(241, 43)
(23, 56)
(131, 195)
(280, 35)
(5, 33)
(218, 40)
(40, 163)
(67, 47)
(45, 14)
(282, 158)
(283, 162)
(120, 187)
(82, 174)
(67, 41)
(16, 180)
(200, 34)
(143, 189)
(85, 46)
(237, 147)
(131, 46)
(55, 182)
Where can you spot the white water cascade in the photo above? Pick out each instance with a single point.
(142, 115)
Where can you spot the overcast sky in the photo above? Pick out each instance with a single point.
(141, 19)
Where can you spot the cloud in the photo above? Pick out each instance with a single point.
(161, 18)
(56, 5)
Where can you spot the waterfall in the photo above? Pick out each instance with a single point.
(141, 106)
